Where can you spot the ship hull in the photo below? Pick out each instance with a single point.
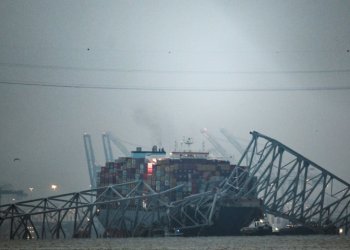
(231, 220)
(227, 220)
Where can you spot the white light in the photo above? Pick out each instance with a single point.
(341, 230)
(54, 187)
(144, 204)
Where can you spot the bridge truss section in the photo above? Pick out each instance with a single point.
(121, 210)
(292, 186)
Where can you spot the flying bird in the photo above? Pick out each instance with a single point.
(16, 159)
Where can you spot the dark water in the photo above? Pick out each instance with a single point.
(237, 242)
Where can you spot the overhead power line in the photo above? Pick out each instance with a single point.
(167, 71)
(197, 89)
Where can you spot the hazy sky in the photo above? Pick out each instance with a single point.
(161, 70)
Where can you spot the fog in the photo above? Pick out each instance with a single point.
(154, 71)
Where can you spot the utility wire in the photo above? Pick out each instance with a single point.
(262, 89)
(160, 71)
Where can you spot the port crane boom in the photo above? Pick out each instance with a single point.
(216, 145)
(90, 157)
(234, 142)
(107, 147)
(117, 142)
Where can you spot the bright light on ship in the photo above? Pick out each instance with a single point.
(54, 187)
(341, 231)
(149, 168)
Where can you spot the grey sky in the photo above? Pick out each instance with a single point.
(213, 47)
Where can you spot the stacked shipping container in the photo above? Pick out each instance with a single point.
(196, 175)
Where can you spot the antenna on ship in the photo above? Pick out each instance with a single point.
(175, 146)
(188, 142)
(182, 144)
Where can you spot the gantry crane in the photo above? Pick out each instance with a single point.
(107, 137)
(107, 147)
(90, 157)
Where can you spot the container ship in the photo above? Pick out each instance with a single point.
(196, 172)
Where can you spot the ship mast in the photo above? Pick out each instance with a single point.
(188, 141)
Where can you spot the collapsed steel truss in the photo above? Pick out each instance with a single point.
(292, 186)
(75, 214)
